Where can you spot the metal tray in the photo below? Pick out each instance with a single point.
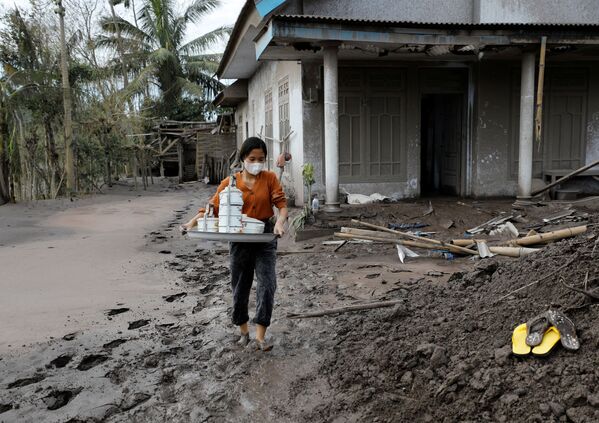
(225, 237)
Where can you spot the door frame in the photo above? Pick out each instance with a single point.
(468, 100)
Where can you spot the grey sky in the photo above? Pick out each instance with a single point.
(226, 14)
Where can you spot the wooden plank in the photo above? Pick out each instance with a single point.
(180, 160)
(163, 152)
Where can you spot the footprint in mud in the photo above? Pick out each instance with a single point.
(91, 361)
(113, 344)
(134, 400)
(58, 399)
(59, 362)
(5, 407)
(138, 324)
(115, 311)
(70, 336)
(171, 298)
(19, 383)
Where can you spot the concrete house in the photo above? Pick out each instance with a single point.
(412, 98)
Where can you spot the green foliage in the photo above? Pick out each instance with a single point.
(166, 78)
(178, 69)
(308, 174)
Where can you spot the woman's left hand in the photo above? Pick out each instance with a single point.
(279, 229)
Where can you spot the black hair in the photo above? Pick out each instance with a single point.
(250, 144)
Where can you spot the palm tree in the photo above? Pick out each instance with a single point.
(157, 54)
(67, 102)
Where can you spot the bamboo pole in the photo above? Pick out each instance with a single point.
(415, 244)
(540, 82)
(464, 242)
(513, 251)
(450, 247)
(548, 236)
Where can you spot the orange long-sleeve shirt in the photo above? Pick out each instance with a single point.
(258, 201)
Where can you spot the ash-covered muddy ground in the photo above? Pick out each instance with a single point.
(442, 354)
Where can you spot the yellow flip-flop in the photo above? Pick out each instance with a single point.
(550, 339)
(519, 346)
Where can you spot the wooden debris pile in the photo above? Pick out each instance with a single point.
(497, 236)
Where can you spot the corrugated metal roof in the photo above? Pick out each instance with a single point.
(490, 25)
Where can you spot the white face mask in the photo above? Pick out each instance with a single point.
(253, 168)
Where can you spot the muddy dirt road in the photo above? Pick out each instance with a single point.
(168, 353)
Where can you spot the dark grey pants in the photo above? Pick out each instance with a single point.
(247, 258)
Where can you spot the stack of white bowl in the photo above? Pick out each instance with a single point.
(208, 224)
(229, 213)
(251, 225)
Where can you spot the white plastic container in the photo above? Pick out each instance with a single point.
(209, 224)
(252, 226)
(229, 210)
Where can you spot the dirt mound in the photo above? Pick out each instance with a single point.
(444, 355)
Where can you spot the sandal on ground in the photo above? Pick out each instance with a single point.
(244, 340)
(535, 329)
(550, 340)
(519, 346)
(260, 346)
(566, 329)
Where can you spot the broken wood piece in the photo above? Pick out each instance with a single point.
(549, 236)
(450, 247)
(565, 178)
(513, 251)
(346, 309)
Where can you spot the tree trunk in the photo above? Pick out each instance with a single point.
(119, 43)
(5, 194)
(52, 157)
(68, 108)
(107, 168)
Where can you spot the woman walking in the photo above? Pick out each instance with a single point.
(261, 191)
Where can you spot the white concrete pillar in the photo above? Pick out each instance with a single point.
(527, 102)
(331, 129)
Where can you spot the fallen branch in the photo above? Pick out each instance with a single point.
(538, 280)
(346, 309)
(589, 294)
